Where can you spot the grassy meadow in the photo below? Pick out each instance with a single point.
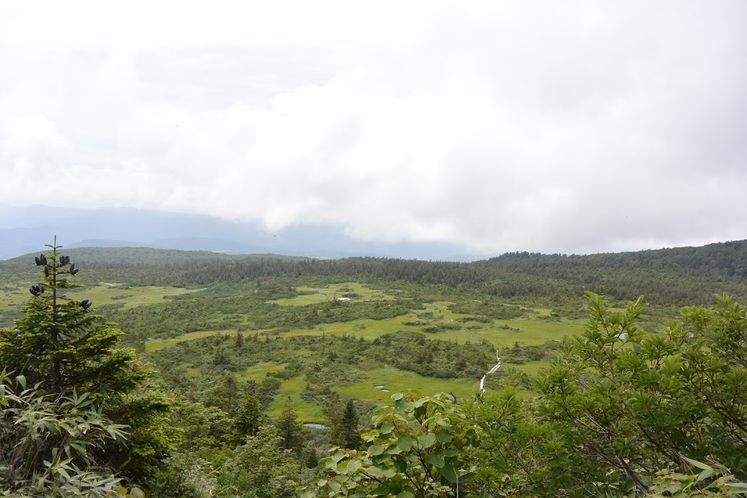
(531, 329)
(128, 297)
(534, 326)
(13, 297)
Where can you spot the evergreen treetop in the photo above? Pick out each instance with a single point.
(61, 344)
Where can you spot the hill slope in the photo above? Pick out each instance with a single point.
(678, 276)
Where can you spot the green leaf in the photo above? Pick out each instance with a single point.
(444, 437)
(386, 428)
(80, 449)
(448, 472)
(427, 440)
(337, 456)
(354, 465)
(61, 469)
(374, 472)
(405, 494)
(393, 449)
(376, 449)
(451, 452)
(382, 490)
(705, 475)
(405, 443)
(697, 464)
(436, 460)
(420, 402)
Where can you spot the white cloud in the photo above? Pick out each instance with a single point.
(567, 127)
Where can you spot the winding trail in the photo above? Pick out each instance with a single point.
(492, 370)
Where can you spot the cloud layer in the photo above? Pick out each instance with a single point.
(573, 127)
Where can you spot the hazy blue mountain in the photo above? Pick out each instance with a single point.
(27, 229)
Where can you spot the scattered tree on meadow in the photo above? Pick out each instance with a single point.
(225, 395)
(292, 433)
(344, 430)
(249, 416)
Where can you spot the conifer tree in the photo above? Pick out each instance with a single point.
(261, 468)
(63, 348)
(62, 344)
(344, 425)
(350, 433)
(292, 433)
(249, 416)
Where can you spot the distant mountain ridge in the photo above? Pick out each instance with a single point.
(28, 229)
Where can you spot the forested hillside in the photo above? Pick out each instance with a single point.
(676, 276)
(235, 354)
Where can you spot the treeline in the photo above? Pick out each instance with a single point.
(719, 260)
(674, 277)
(666, 276)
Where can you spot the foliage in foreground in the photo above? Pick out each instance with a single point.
(632, 403)
(619, 414)
(48, 444)
(712, 480)
(418, 447)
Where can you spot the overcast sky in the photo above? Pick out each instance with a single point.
(526, 125)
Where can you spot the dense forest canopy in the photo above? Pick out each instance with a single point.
(678, 276)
